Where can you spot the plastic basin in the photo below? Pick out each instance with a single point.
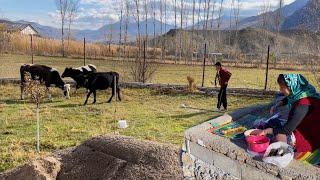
(257, 144)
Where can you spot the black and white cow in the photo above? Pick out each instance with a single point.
(47, 75)
(101, 81)
(78, 73)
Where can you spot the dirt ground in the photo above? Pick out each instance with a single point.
(105, 157)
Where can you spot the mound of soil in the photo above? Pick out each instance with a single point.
(105, 157)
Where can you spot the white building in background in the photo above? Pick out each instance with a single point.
(25, 29)
(28, 30)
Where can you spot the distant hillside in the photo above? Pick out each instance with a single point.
(250, 40)
(253, 21)
(100, 34)
(306, 18)
(288, 10)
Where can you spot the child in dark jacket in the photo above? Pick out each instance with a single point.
(223, 76)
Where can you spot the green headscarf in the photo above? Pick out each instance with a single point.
(300, 88)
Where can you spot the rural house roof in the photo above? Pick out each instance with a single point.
(12, 26)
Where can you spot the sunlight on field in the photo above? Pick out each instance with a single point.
(66, 123)
(166, 73)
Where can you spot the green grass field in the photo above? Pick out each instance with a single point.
(66, 123)
(166, 73)
(151, 116)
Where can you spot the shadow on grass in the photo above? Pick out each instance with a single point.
(67, 105)
(29, 101)
(13, 101)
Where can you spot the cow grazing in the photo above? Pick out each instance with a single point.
(101, 81)
(78, 73)
(47, 75)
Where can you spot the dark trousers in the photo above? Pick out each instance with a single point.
(222, 98)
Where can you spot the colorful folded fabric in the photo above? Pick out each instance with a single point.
(310, 158)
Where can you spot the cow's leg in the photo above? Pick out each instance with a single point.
(49, 94)
(118, 92)
(113, 91)
(94, 97)
(88, 95)
(77, 87)
(22, 91)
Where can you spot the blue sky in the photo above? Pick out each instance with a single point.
(95, 13)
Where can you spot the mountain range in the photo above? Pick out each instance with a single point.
(103, 34)
(300, 13)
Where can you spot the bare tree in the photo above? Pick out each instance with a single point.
(137, 17)
(219, 21)
(161, 30)
(72, 12)
(62, 6)
(127, 9)
(237, 17)
(146, 11)
(120, 29)
(175, 27)
(165, 29)
(153, 9)
(212, 22)
(264, 25)
(110, 37)
(181, 31)
(192, 28)
(278, 21)
(141, 71)
(230, 21)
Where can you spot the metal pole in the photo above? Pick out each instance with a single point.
(267, 70)
(204, 63)
(84, 51)
(31, 48)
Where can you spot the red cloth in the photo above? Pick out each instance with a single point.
(308, 132)
(224, 77)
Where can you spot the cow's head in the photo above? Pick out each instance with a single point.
(67, 72)
(66, 90)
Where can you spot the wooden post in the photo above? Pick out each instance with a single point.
(84, 51)
(267, 69)
(144, 62)
(31, 48)
(204, 63)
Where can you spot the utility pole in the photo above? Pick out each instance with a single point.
(204, 63)
(267, 70)
(84, 51)
(31, 48)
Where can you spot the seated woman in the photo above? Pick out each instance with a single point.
(304, 116)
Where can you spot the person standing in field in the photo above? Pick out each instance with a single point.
(223, 76)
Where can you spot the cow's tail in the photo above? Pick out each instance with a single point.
(23, 69)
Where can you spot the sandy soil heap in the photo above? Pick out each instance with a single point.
(105, 157)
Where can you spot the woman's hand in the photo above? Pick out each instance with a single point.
(258, 132)
(264, 132)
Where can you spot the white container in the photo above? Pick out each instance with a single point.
(122, 124)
